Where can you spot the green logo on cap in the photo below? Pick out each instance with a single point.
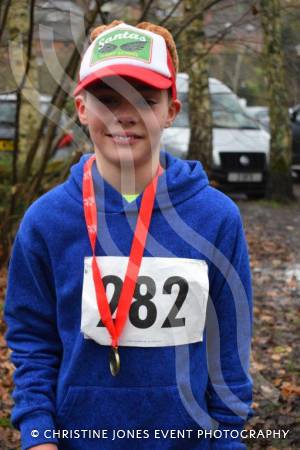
(122, 43)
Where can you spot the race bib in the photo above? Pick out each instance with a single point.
(168, 306)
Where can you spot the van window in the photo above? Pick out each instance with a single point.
(7, 112)
(182, 119)
(228, 113)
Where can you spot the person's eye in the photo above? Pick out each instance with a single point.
(146, 101)
(107, 100)
(150, 101)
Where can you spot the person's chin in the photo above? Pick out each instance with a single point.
(127, 155)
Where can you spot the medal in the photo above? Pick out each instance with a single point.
(115, 327)
(114, 361)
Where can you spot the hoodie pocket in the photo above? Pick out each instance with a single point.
(115, 407)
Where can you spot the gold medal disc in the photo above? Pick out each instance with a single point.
(114, 361)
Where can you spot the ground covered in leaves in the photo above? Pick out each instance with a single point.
(273, 234)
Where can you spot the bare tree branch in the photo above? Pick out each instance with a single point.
(221, 36)
(18, 105)
(194, 16)
(163, 21)
(143, 16)
(102, 15)
(58, 102)
(4, 19)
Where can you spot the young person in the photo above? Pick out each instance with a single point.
(129, 302)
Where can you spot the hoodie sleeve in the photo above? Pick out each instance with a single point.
(229, 333)
(30, 315)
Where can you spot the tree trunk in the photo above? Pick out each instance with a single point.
(30, 117)
(20, 25)
(200, 116)
(237, 71)
(279, 185)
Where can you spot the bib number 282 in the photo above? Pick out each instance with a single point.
(143, 312)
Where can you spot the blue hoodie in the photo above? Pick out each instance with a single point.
(190, 375)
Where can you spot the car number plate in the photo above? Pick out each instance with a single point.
(244, 177)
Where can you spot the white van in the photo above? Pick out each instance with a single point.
(240, 144)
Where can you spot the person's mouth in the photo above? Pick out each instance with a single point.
(124, 138)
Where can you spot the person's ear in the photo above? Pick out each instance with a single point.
(81, 108)
(174, 109)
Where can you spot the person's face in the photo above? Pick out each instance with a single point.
(126, 121)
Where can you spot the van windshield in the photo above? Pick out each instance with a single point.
(226, 110)
(228, 113)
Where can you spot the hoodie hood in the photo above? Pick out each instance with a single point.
(180, 180)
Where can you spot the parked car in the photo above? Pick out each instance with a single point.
(240, 155)
(7, 122)
(295, 123)
(261, 113)
(8, 127)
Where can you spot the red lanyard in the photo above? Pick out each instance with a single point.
(115, 326)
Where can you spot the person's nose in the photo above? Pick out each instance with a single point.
(126, 114)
